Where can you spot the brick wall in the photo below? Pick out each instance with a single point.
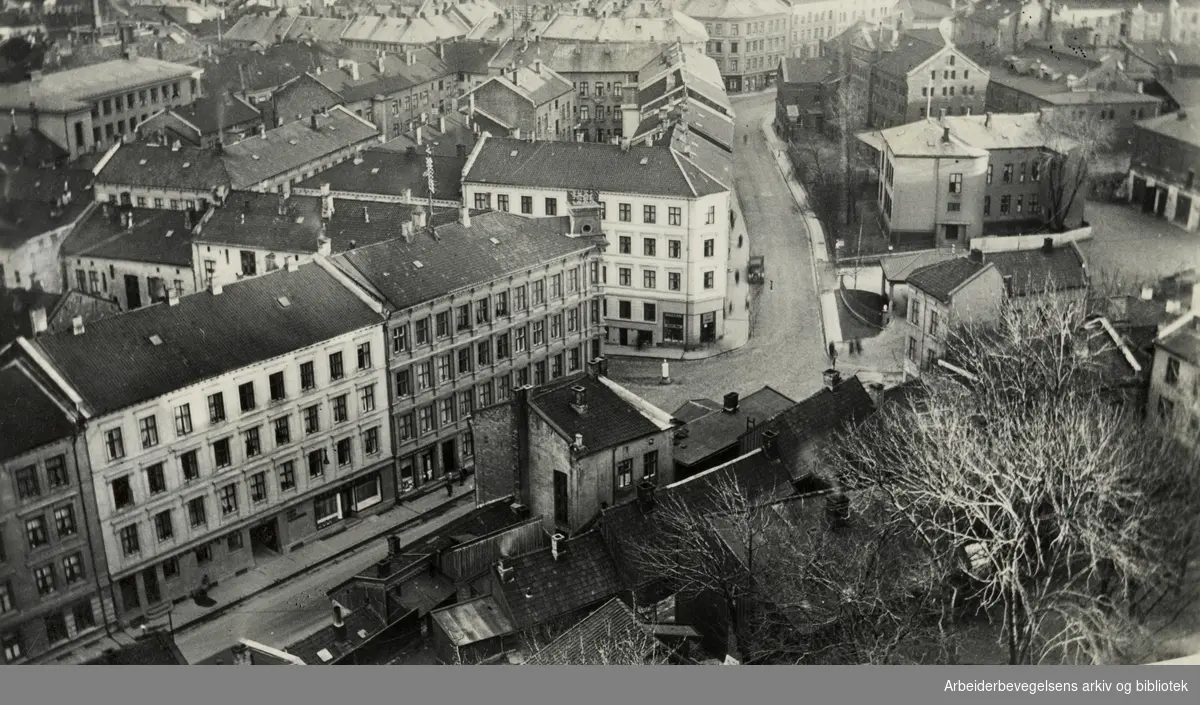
(496, 451)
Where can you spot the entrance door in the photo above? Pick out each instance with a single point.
(623, 336)
(952, 232)
(1160, 208)
(427, 466)
(645, 339)
(708, 327)
(449, 458)
(264, 538)
(133, 293)
(1148, 198)
(1183, 208)
(150, 579)
(1139, 189)
(129, 593)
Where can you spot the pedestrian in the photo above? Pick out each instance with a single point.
(745, 139)
(449, 485)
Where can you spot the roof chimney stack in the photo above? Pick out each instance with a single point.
(38, 320)
(1048, 245)
(241, 655)
(832, 379)
(339, 625)
(172, 297)
(945, 133)
(77, 325)
(558, 546)
(464, 216)
(383, 567)
(731, 402)
(579, 399)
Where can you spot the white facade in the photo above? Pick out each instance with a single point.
(225, 264)
(821, 20)
(36, 260)
(122, 280)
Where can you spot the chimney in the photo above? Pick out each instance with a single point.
(503, 572)
(731, 403)
(158, 49)
(379, 63)
(837, 509)
(442, 123)
(395, 544)
(77, 325)
(579, 399)
(1174, 306)
(291, 264)
(38, 321)
(324, 246)
(262, 131)
(216, 287)
(409, 57)
(366, 215)
(945, 130)
(339, 625)
(875, 390)
(172, 296)
(383, 568)
(537, 66)
(312, 121)
(768, 443)
(464, 216)
(175, 146)
(419, 218)
(1048, 245)
(645, 494)
(976, 256)
(241, 655)
(558, 546)
(1147, 293)
(832, 379)
(353, 66)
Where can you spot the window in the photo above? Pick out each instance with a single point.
(625, 244)
(27, 483)
(649, 279)
(275, 381)
(1008, 173)
(163, 528)
(1171, 375)
(956, 183)
(83, 615)
(520, 298)
(649, 246)
(14, 646)
(501, 301)
(572, 320)
(650, 466)
(204, 554)
(156, 479)
(371, 441)
(556, 289)
(366, 398)
(1020, 203)
(987, 205)
(673, 281)
(539, 292)
(483, 201)
(130, 545)
(573, 359)
(624, 474)
(912, 350)
(519, 342)
(234, 541)
(482, 311)
(222, 455)
(712, 215)
(336, 370)
(258, 487)
(1021, 176)
(556, 326)
(427, 419)
(625, 276)
(312, 419)
(445, 368)
(649, 214)
(709, 280)
(624, 212)
(56, 627)
(216, 408)
(624, 309)
(710, 247)
(408, 427)
(246, 396)
(1034, 207)
(249, 261)
(674, 215)
(1035, 172)
(674, 249)
(228, 499)
(502, 202)
(399, 339)
(502, 351)
(56, 472)
(1005, 202)
(538, 332)
(340, 411)
(287, 476)
(189, 463)
(953, 207)
(148, 431)
(44, 577)
(35, 532)
(253, 442)
(527, 205)
(197, 512)
(989, 173)
(551, 206)
(364, 356)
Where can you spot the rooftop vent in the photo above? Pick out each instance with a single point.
(170, 233)
(511, 154)
(186, 164)
(644, 161)
(142, 162)
(155, 340)
(494, 241)
(417, 264)
(324, 655)
(254, 157)
(284, 301)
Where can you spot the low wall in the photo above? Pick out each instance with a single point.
(1008, 243)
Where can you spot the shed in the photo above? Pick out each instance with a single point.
(471, 631)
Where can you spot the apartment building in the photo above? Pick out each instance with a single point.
(227, 426)
(444, 22)
(747, 38)
(817, 21)
(54, 593)
(666, 222)
(209, 121)
(477, 308)
(637, 24)
(1175, 377)
(161, 177)
(91, 107)
(959, 177)
(534, 102)
(941, 296)
(1162, 169)
(40, 208)
(1001, 26)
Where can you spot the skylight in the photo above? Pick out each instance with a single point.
(417, 264)
(284, 301)
(155, 340)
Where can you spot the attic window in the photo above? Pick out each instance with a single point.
(324, 655)
(155, 340)
(254, 157)
(644, 161)
(362, 633)
(186, 164)
(292, 142)
(511, 154)
(142, 162)
(375, 170)
(495, 241)
(417, 263)
(284, 301)
(170, 233)
(299, 219)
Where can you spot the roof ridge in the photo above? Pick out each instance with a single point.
(688, 179)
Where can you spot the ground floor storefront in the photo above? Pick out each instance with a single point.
(1180, 206)
(51, 632)
(648, 324)
(143, 593)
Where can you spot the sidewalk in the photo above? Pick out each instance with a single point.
(309, 558)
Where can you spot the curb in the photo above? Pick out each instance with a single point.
(433, 512)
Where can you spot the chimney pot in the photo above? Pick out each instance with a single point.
(383, 567)
(1147, 293)
(38, 320)
(217, 288)
(731, 402)
(77, 325)
(976, 255)
(557, 546)
(1048, 245)
(339, 625)
(464, 216)
(832, 378)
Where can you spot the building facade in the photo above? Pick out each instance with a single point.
(1162, 169)
(944, 295)
(918, 79)
(746, 38)
(533, 102)
(54, 592)
(818, 21)
(1175, 378)
(202, 473)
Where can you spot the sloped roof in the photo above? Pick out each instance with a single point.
(693, 409)
(897, 268)
(473, 621)
(926, 138)
(532, 86)
(584, 165)
(1183, 125)
(293, 145)
(808, 70)
(719, 430)
(263, 29)
(584, 28)
(318, 29)
(941, 279)
(397, 75)
(543, 589)
(29, 417)
(71, 89)
(460, 257)
(1184, 341)
(609, 421)
(468, 55)
(34, 194)
(151, 165)
(114, 363)
(910, 53)
(154, 649)
(391, 174)
(211, 114)
(590, 638)
(157, 237)
(259, 70)
(829, 409)
(1036, 271)
(733, 9)
(570, 56)
(1184, 91)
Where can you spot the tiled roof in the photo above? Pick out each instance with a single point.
(809, 70)
(1184, 341)
(1184, 91)
(1166, 54)
(543, 589)
(941, 279)
(828, 409)
(154, 649)
(259, 70)
(718, 431)
(1183, 125)
(583, 165)
(926, 9)
(571, 56)
(926, 138)
(909, 54)
(1036, 271)
(213, 113)
(584, 28)
(455, 23)
(391, 173)
(461, 256)
(263, 29)
(151, 165)
(440, 143)
(999, 131)
(114, 363)
(158, 237)
(397, 75)
(363, 619)
(733, 9)
(298, 99)
(897, 268)
(468, 56)
(31, 148)
(538, 88)
(473, 621)
(590, 639)
(294, 145)
(71, 89)
(318, 29)
(15, 305)
(33, 200)
(609, 421)
(693, 409)
(29, 417)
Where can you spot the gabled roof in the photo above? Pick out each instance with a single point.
(584, 165)
(35, 202)
(733, 9)
(571, 56)
(693, 409)
(897, 268)
(397, 75)
(1036, 271)
(473, 621)
(926, 138)
(71, 89)
(294, 145)
(717, 431)
(211, 114)
(31, 148)
(1183, 340)
(533, 86)
(1184, 91)
(829, 409)
(391, 174)
(808, 70)
(542, 588)
(115, 363)
(263, 29)
(584, 28)
(1183, 125)
(608, 421)
(468, 56)
(29, 417)
(323, 646)
(911, 52)
(941, 279)
(317, 29)
(156, 166)
(443, 143)
(592, 637)
(259, 70)
(157, 237)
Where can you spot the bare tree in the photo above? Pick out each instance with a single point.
(1069, 517)
(1074, 142)
(612, 645)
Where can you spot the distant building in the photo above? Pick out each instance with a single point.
(803, 91)
(943, 295)
(1175, 377)
(999, 26)
(676, 25)
(205, 123)
(1162, 169)
(452, 21)
(391, 177)
(747, 38)
(818, 21)
(174, 177)
(91, 107)
(41, 208)
(531, 103)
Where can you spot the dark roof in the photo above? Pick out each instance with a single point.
(609, 421)
(1184, 341)
(1035, 271)
(158, 237)
(719, 430)
(897, 268)
(15, 305)
(1183, 125)
(584, 165)
(941, 279)
(468, 56)
(259, 70)
(543, 589)
(29, 417)
(363, 619)
(297, 100)
(154, 649)
(443, 143)
(828, 409)
(294, 145)
(34, 201)
(585, 642)
(114, 363)
(151, 165)
(808, 70)
(390, 173)
(693, 409)
(396, 76)
(911, 51)
(31, 148)
(211, 114)
(460, 257)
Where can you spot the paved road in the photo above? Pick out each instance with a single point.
(786, 345)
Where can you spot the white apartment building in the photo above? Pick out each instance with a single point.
(820, 20)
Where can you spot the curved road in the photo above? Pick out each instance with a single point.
(786, 347)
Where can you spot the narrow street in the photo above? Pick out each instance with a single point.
(786, 348)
